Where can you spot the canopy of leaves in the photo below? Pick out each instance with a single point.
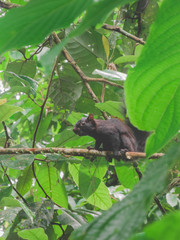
(59, 63)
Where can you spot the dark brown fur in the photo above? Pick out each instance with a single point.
(113, 134)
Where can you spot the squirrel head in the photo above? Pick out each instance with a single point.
(85, 126)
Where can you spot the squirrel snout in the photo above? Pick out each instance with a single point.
(76, 130)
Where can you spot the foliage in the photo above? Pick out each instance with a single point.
(58, 64)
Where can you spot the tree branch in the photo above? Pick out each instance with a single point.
(76, 152)
(103, 81)
(7, 5)
(123, 32)
(7, 135)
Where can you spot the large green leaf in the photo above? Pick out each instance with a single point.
(43, 126)
(96, 12)
(112, 107)
(20, 83)
(31, 23)
(167, 228)
(88, 177)
(33, 234)
(52, 184)
(4, 192)
(64, 138)
(125, 217)
(16, 161)
(126, 174)
(71, 218)
(25, 181)
(7, 111)
(152, 88)
(85, 49)
(26, 68)
(66, 89)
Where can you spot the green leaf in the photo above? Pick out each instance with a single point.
(74, 117)
(71, 218)
(94, 15)
(126, 174)
(91, 186)
(10, 202)
(25, 181)
(9, 214)
(63, 138)
(26, 68)
(43, 126)
(33, 234)
(112, 107)
(130, 58)
(167, 228)
(20, 83)
(125, 217)
(88, 177)
(31, 23)
(152, 88)
(74, 171)
(138, 50)
(125, 59)
(5, 192)
(67, 89)
(52, 184)
(85, 49)
(16, 161)
(7, 111)
(31, 215)
(99, 198)
(106, 46)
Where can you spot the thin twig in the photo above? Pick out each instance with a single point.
(4, 170)
(89, 79)
(7, 135)
(157, 201)
(38, 50)
(123, 32)
(34, 101)
(43, 105)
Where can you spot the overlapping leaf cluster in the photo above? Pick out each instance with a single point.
(51, 196)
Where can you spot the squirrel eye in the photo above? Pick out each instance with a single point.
(83, 123)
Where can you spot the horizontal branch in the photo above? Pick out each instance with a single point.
(123, 32)
(104, 81)
(75, 152)
(7, 5)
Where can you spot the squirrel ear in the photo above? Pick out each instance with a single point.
(90, 117)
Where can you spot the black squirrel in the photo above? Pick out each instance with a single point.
(113, 134)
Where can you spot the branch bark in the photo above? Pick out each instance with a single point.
(7, 5)
(123, 32)
(76, 152)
